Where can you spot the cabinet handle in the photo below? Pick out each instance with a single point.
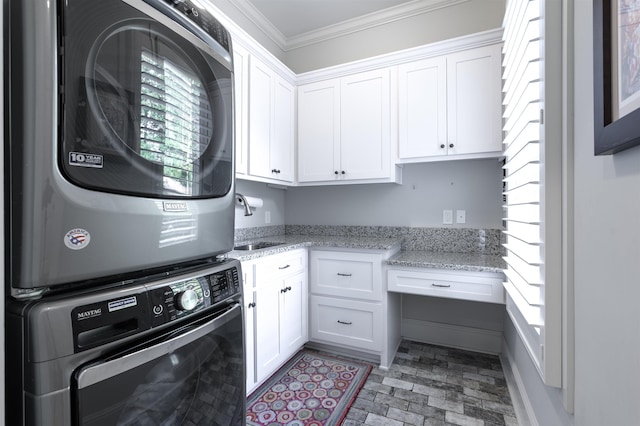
(284, 267)
(336, 172)
(343, 172)
(345, 322)
(441, 285)
(284, 290)
(343, 275)
(251, 305)
(442, 145)
(450, 145)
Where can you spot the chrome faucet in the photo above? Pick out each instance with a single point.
(243, 201)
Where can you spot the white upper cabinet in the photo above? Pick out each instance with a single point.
(422, 108)
(241, 85)
(450, 106)
(365, 121)
(318, 131)
(271, 125)
(344, 129)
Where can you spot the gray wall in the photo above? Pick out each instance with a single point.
(273, 203)
(441, 24)
(607, 260)
(471, 185)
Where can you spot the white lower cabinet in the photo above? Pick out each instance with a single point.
(349, 305)
(347, 322)
(465, 285)
(276, 302)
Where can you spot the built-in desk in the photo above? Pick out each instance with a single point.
(464, 279)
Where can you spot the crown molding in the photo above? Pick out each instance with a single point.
(371, 20)
(260, 21)
(439, 48)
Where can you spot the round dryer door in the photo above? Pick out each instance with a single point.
(147, 111)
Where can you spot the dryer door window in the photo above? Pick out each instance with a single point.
(145, 110)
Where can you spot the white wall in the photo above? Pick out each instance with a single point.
(607, 261)
(471, 185)
(441, 24)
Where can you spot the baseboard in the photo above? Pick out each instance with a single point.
(519, 397)
(455, 336)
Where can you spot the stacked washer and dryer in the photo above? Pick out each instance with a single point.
(122, 307)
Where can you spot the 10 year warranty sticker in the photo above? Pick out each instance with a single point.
(77, 239)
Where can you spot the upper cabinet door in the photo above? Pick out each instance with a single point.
(261, 83)
(474, 100)
(271, 124)
(281, 164)
(241, 87)
(319, 131)
(365, 123)
(422, 108)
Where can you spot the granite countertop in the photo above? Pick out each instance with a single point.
(291, 242)
(475, 262)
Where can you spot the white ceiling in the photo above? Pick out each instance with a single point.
(294, 23)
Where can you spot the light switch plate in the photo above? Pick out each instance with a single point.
(447, 217)
(461, 216)
(267, 216)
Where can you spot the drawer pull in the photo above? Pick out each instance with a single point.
(441, 285)
(284, 267)
(252, 305)
(345, 322)
(284, 290)
(343, 275)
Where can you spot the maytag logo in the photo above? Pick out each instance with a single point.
(174, 206)
(89, 314)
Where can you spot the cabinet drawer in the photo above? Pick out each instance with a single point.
(346, 322)
(481, 287)
(281, 265)
(355, 275)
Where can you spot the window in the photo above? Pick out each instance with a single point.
(532, 146)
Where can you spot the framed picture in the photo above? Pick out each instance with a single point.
(616, 55)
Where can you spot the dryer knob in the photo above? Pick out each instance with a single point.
(187, 300)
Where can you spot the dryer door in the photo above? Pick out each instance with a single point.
(147, 106)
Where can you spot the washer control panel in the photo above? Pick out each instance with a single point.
(178, 299)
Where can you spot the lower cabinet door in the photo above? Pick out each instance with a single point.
(267, 331)
(293, 314)
(346, 322)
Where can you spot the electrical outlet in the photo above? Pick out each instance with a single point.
(267, 216)
(447, 217)
(461, 216)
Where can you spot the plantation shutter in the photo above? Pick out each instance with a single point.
(532, 194)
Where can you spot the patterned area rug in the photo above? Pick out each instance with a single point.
(310, 390)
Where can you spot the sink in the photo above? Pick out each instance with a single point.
(257, 246)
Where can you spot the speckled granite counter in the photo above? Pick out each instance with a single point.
(463, 249)
(291, 242)
(475, 262)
